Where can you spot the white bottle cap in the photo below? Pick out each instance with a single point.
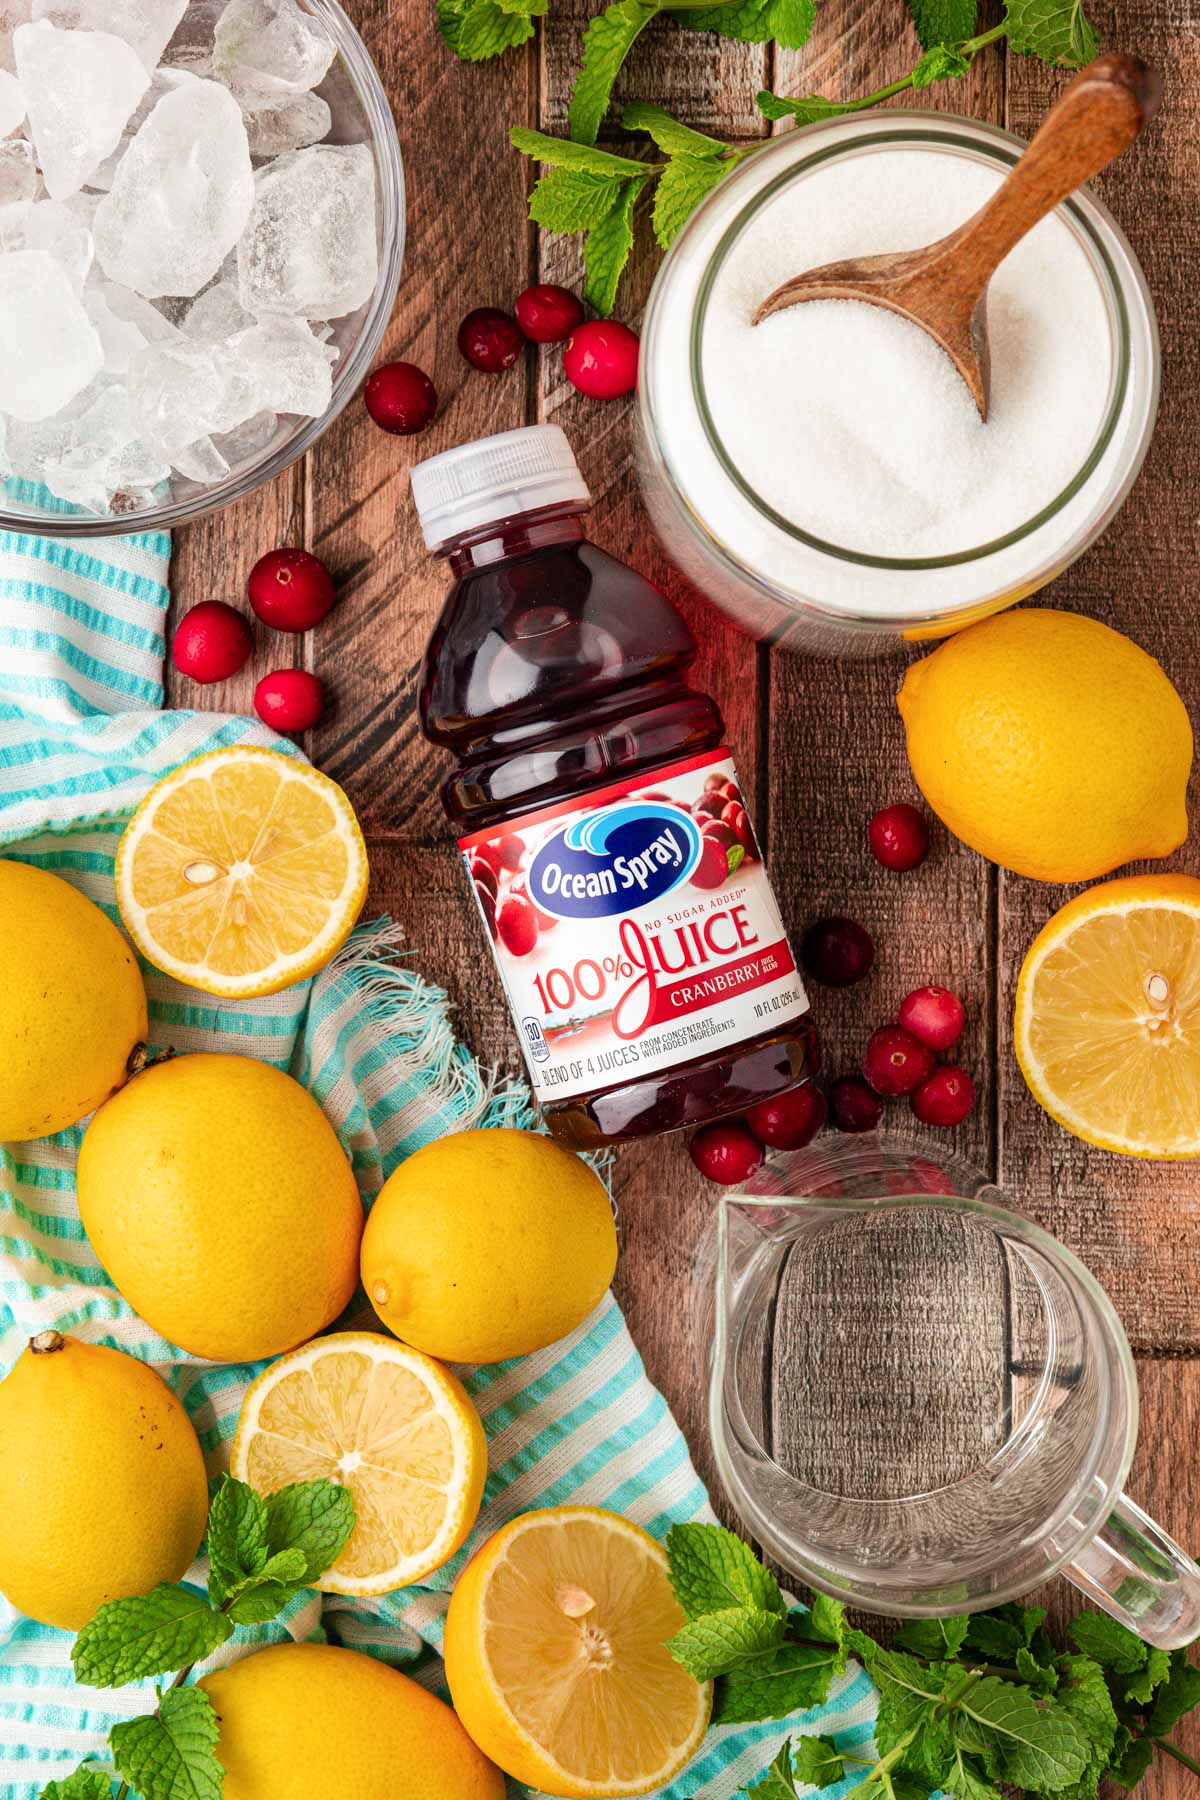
(495, 478)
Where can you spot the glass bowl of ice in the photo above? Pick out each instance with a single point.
(201, 234)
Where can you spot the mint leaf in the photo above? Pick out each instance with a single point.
(171, 1754)
(966, 1783)
(944, 62)
(777, 1783)
(904, 1787)
(573, 199)
(87, 1782)
(676, 140)
(561, 153)
(1108, 1643)
(150, 1635)
(711, 1571)
(936, 1639)
(788, 23)
(1083, 1692)
(1142, 1688)
(1031, 1746)
(718, 1642)
(818, 1759)
(942, 21)
(995, 1638)
(1178, 1697)
(1041, 1677)
(237, 1538)
(1056, 30)
(805, 109)
(1136, 1760)
(607, 249)
(684, 183)
(481, 29)
(609, 38)
(790, 1678)
(827, 1621)
(313, 1517)
(260, 1597)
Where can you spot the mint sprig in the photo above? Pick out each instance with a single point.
(262, 1552)
(978, 1707)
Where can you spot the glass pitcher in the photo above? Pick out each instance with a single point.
(921, 1403)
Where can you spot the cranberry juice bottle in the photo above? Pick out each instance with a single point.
(599, 814)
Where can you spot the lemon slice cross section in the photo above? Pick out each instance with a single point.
(1107, 1026)
(390, 1424)
(241, 872)
(557, 1662)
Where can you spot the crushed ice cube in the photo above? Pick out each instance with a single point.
(12, 103)
(181, 195)
(89, 451)
(292, 371)
(18, 171)
(163, 81)
(126, 305)
(49, 348)
(217, 314)
(247, 440)
(12, 14)
(201, 461)
(310, 247)
(271, 47)
(80, 87)
(147, 25)
(291, 123)
(52, 226)
(123, 329)
(191, 47)
(184, 390)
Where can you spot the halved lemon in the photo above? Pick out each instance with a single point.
(556, 1657)
(394, 1427)
(1107, 1024)
(242, 872)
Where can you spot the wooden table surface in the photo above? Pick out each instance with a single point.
(818, 742)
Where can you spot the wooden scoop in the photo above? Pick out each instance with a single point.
(943, 288)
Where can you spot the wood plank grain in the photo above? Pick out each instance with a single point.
(468, 245)
(861, 45)
(1136, 1225)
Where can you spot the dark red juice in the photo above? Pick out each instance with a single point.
(599, 815)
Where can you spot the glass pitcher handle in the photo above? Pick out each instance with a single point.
(1137, 1573)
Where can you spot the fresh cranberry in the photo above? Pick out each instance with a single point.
(725, 835)
(934, 1015)
(548, 314)
(789, 1121)
(725, 1152)
(490, 339)
(738, 820)
(516, 922)
(899, 837)
(713, 867)
(520, 885)
(930, 1179)
(853, 1106)
(510, 850)
(400, 398)
(289, 700)
(212, 642)
(601, 359)
(290, 590)
(483, 874)
(945, 1098)
(837, 952)
(896, 1062)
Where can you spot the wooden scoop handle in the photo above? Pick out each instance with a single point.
(1095, 119)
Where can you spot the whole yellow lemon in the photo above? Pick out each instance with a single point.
(102, 1486)
(1051, 744)
(72, 1004)
(307, 1721)
(488, 1244)
(215, 1192)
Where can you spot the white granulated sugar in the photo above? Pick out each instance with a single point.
(851, 422)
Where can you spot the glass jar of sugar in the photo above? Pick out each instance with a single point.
(824, 476)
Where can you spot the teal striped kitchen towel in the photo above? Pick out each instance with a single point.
(82, 737)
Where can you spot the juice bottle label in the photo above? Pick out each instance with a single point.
(635, 927)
